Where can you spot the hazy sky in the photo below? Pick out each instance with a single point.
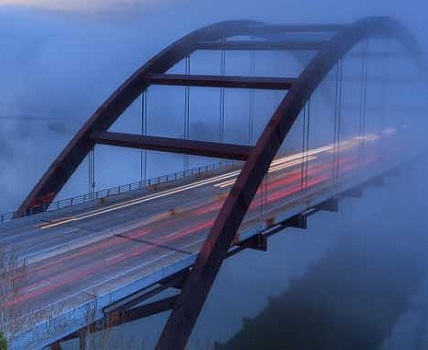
(54, 64)
(81, 5)
(62, 58)
(284, 8)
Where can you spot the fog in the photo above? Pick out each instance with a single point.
(61, 59)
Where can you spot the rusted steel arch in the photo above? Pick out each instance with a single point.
(74, 153)
(189, 304)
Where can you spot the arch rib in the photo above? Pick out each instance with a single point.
(216, 246)
(75, 152)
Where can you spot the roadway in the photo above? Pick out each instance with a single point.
(103, 253)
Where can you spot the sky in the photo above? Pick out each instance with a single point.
(82, 5)
(61, 58)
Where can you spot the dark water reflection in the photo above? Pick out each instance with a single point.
(350, 300)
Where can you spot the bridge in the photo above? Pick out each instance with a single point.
(325, 120)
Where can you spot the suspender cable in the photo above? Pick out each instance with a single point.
(302, 170)
(337, 119)
(384, 85)
(308, 125)
(187, 102)
(363, 101)
(279, 71)
(251, 119)
(144, 124)
(222, 92)
(305, 145)
(91, 173)
(187, 111)
(264, 195)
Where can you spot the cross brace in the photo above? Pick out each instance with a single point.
(268, 83)
(165, 144)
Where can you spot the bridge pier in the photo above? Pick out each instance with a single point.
(256, 242)
(331, 205)
(297, 221)
(56, 346)
(83, 336)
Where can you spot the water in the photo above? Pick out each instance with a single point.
(369, 258)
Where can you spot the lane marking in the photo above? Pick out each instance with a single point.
(37, 287)
(272, 169)
(114, 257)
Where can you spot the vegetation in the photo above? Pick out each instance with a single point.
(12, 277)
(3, 342)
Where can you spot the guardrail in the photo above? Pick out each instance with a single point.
(140, 185)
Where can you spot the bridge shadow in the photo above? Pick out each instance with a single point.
(350, 300)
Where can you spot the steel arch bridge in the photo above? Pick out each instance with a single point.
(329, 50)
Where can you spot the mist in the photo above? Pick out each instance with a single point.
(61, 59)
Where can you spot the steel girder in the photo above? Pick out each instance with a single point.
(215, 249)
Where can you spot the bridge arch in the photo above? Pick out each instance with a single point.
(257, 158)
(190, 301)
(60, 171)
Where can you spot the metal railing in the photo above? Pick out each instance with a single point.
(143, 186)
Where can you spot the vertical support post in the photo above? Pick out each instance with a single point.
(186, 111)
(222, 92)
(337, 120)
(144, 123)
(363, 101)
(383, 92)
(56, 346)
(91, 173)
(305, 144)
(83, 336)
(251, 117)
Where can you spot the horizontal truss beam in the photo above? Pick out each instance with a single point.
(298, 45)
(165, 144)
(268, 83)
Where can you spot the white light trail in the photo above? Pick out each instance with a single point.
(283, 162)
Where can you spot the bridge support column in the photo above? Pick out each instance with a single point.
(56, 346)
(257, 242)
(83, 336)
(297, 221)
(331, 205)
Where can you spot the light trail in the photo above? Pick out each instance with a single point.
(319, 174)
(272, 169)
(182, 188)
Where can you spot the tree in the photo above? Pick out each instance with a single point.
(3, 342)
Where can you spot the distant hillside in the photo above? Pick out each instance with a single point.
(350, 300)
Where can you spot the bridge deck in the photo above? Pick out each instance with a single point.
(81, 259)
